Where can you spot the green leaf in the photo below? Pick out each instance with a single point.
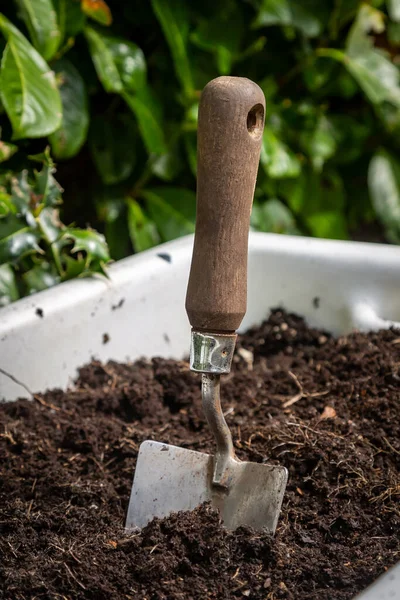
(222, 35)
(384, 190)
(46, 187)
(71, 19)
(273, 216)
(7, 151)
(167, 166)
(41, 21)
(103, 60)
(50, 224)
(70, 137)
(18, 245)
(371, 67)
(120, 64)
(190, 141)
(21, 196)
(146, 108)
(277, 159)
(6, 205)
(328, 224)
(8, 285)
(319, 143)
(173, 210)
(394, 10)
(89, 241)
(41, 277)
(314, 192)
(113, 147)
(294, 13)
(174, 20)
(28, 88)
(97, 10)
(142, 230)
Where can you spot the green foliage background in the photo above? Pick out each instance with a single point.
(114, 90)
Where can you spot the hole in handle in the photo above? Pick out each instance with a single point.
(255, 121)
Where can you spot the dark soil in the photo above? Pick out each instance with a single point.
(328, 409)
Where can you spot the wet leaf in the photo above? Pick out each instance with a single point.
(142, 230)
(41, 21)
(28, 88)
(98, 10)
(70, 137)
(8, 285)
(120, 64)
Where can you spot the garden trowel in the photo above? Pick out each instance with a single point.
(168, 478)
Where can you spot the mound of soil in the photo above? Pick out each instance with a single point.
(328, 409)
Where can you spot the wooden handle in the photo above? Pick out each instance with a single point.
(231, 122)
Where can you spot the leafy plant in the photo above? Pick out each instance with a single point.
(114, 90)
(36, 250)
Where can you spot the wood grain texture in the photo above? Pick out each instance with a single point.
(231, 121)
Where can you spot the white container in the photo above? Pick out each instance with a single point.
(140, 310)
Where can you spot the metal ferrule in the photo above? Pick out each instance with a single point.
(212, 352)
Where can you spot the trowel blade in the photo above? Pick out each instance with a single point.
(170, 479)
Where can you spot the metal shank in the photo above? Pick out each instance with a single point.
(224, 458)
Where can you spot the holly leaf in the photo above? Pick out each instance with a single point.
(41, 277)
(8, 285)
(16, 246)
(92, 243)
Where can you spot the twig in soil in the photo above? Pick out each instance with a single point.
(28, 512)
(391, 447)
(301, 393)
(73, 577)
(50, 405)
(8, 436)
